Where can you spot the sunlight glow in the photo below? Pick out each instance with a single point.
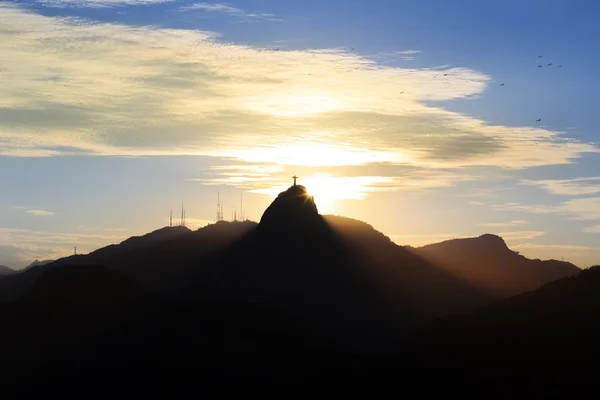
(293, 104)
(314, 154)
(327, 189)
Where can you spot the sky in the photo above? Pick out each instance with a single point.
(429, 120)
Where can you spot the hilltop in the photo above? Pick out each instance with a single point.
(5, 271)
(487, 263)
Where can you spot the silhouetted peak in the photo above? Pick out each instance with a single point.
(484, 243)
(293, 206)
(5, 270)
(37, 262)
(491, 240)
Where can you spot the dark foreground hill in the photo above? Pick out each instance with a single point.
(540, 344)
(488, 264)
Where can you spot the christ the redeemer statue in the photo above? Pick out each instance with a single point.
(295, 177)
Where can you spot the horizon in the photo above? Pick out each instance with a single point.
(425, 120)
(173, 224)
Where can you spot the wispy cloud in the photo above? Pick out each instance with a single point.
(408, 55)
(504, 224)
(21, 246)
(97, 3)
(571, 187)
(520, 235)
(417, 240)
(592, 229)
(40, 213)
(234, 11)
(408, 52)
(577, 209)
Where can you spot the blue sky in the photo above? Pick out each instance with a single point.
(112, 112)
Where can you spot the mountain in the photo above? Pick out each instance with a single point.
(539, 338)
(296, 297)
(315, 269)
(4, 271)
(155, 259)
(487, 263)
(37, 263)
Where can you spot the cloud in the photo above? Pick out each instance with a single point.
(571, 187)
(408, 52)
(408, 55)
(504, 224)
(520, 235)
(592, 229)
(97, 3)
(76, 87)
(40, 213)
(21, 246)
(222, 8)
(578, 209)
(417, 240)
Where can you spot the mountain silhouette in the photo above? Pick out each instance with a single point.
(487, 263)
(154, 259)
(295, 263)
(297, 298)
(535, 340)
(5, 271)
(37, 263)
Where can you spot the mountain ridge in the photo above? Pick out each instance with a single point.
(296, 298)
(489, 264)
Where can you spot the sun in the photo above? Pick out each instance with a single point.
(328, 190)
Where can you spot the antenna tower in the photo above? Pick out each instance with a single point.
(181, 219)
(171, 219)
(219, 208)
(242, 207)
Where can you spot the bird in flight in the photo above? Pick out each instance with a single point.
(445, 74)
(401, 92)
(559, 66)
(540, 66)
(538, 120)
(502, 84)
(539, 56)
(549, 65)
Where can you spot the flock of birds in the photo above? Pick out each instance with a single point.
(539, 66)
(502, 84)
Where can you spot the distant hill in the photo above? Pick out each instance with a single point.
(155, 259)
(37, 263)
(487, 263)
(4, 271)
